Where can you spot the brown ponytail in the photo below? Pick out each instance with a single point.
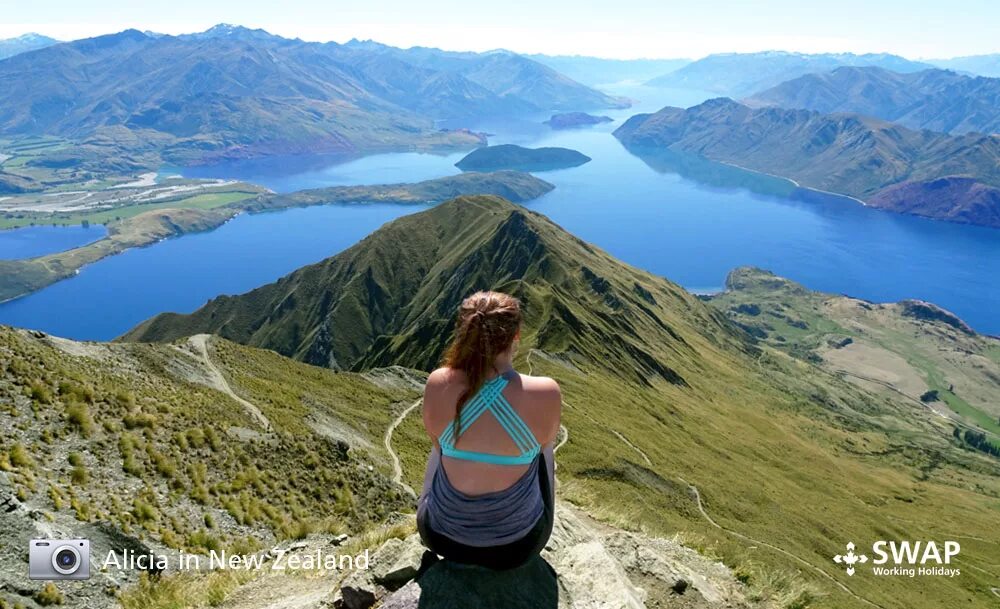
(486, 327)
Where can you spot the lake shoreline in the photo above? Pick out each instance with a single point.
(22, 277)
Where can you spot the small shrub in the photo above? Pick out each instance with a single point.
(40, 392)
(79, 418)
(20, 458)
(79, 475)
(203, 539)
(137, 420)
(49, 595)
(930, 396)
(143, 511)
(196, 437)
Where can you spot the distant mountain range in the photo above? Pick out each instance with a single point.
(236, 92)
(983, 65)
(939, 100)
(596, 71)
(524, 83)
(846, 154)
(741, 74)
(24, 43)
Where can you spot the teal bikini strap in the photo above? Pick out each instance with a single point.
(490, 397)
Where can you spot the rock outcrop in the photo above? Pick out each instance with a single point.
(585, 565)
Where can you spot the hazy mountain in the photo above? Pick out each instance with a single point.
(24, 43)
(596, 71)
(983, 65)
(938, 100)
(197, 98)
(227, 30)
(506, 74)
(232, 91)
(667, 402)
(740, 74)
(848, 154)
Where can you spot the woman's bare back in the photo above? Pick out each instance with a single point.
(535, 399)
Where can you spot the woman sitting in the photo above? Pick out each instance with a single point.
(488, 495)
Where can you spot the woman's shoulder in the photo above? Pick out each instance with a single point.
(539, 383)
(541, 387)
(446, 376)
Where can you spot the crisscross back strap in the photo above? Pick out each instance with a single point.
(490, 398)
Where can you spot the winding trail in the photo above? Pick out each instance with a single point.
(701, 508)
(397, 467)
(565, 436)
(218, 381)
(995, 591)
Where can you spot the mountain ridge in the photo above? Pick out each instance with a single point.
(843, 153)
(24, 43)
(937, 100)
(516, 240)
(741, 74)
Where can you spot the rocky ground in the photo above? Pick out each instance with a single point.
(586, 565)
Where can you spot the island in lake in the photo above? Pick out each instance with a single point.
(571, 120)
(509, 156)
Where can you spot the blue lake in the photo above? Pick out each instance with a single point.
(686, 219)
(32, 241)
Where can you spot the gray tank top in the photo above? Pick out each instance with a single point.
(488, 520)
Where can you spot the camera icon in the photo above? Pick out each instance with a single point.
(59, 559)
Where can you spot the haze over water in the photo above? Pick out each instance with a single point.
(687, 230)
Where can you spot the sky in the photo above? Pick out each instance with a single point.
(617, 29)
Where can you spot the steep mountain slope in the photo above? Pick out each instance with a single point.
(344, 312)
(169, 447)
(971, 202)
(677, 421)
(741, 74)
(938, 100)
(165, 448)
(24, 43)
(846, 154)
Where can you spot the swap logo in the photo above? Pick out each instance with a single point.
(903, 558)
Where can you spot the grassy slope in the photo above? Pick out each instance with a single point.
(946, 357)
(779, 450)
(145, 424)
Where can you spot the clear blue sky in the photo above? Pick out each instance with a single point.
(612, 28)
